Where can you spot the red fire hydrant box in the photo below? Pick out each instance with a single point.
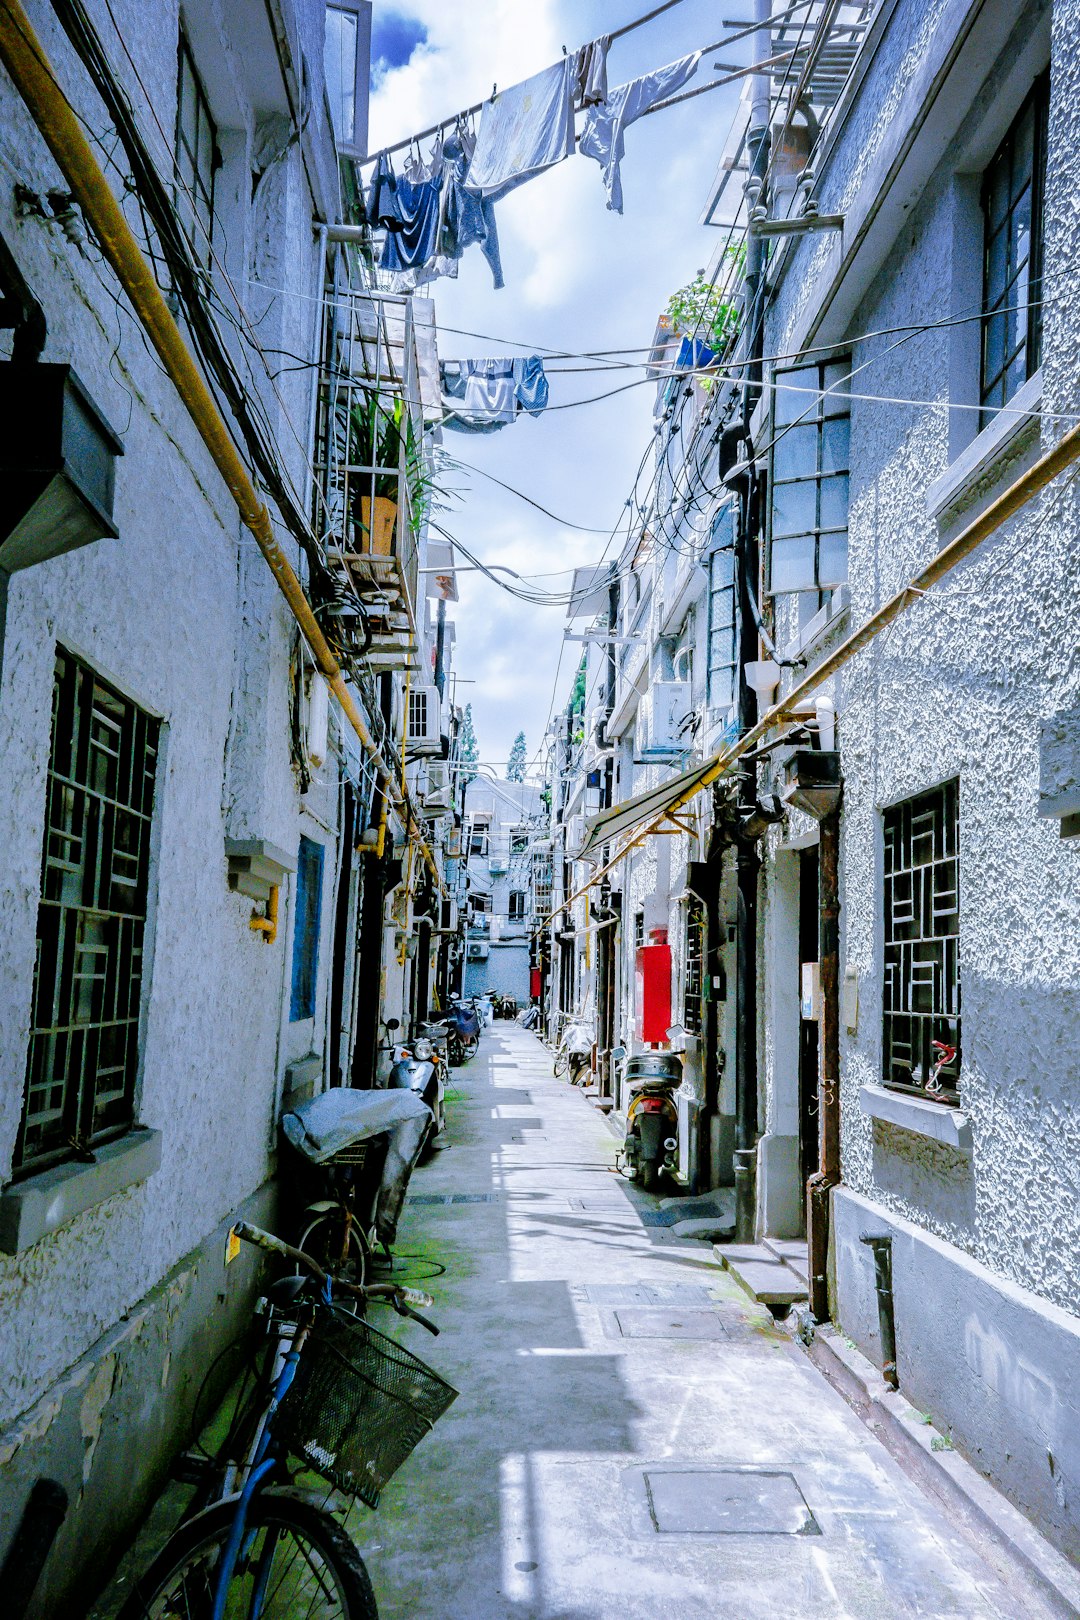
(653, 993)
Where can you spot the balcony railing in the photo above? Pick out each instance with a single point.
(371, 465)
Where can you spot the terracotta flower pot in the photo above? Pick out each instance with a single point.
(377, 534)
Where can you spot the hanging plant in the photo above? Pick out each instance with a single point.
(710, 310)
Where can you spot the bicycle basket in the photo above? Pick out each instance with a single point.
(358, 1405)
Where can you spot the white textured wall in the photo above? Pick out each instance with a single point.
(180, 613)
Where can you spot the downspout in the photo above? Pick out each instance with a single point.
(747, 860)
(32, 74)
(819, 1188)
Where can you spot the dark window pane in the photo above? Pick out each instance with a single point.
(834, 502)
(796, 454)
(793, 565)
(832, 560)
(794, 508)
(309, 870)
(1013, 228)
(835, 434)
(794, 395)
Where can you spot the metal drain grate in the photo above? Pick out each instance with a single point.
(453, 1198)
(728, 1502)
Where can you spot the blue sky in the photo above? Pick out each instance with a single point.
(395, 35)
(577, 277)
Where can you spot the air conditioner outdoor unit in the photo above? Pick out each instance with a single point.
(424, 734)
(662, 715)
(437, 797)
(478, 950)
(575, 835)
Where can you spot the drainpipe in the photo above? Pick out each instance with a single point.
(748, 863)
(882, 1250)
(32, 74)
(819, 1187)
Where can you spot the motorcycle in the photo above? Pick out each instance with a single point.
(652, 1119)
(418, 1068)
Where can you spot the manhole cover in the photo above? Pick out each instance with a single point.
(669, 1324)
(728, 1502)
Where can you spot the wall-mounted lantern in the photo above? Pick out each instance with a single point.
(57, 466)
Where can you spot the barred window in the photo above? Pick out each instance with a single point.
(197, 158)
(808, 479)
(693, 978)
(84, 1037)
(921, 1048)
(1012, 200)
(517, 905)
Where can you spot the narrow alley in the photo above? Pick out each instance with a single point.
(634, 1437)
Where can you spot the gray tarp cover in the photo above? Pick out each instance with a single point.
(341, 1116)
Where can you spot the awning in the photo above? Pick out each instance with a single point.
(643, 809)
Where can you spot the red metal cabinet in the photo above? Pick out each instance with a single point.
(653, 993)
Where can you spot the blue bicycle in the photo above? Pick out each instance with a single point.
(341, 1400)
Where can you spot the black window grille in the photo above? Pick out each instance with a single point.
(639, 928)
(197, 158)
(517, 905)
(808, 479)
(83, 1057)
(921, 1048)
(693, 978)
(1013, 188)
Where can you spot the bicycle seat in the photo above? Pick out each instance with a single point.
(287, 1290)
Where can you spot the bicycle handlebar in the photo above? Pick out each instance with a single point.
(404, 1300)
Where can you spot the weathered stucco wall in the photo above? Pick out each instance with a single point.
(958, 688)
(180, 612)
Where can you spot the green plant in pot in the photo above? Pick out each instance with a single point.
(375, 432)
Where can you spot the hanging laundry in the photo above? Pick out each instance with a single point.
(531, 384)
(605, 126)
(382, 205)
(467, 218)
(482, 396)
(590, 73)
(407, 207)
(523, 131)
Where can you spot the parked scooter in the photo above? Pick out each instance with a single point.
(417, 1068)
(463, 1033)
(652, 1120)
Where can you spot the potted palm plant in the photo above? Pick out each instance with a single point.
(375, 446)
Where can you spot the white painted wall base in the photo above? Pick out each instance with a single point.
(994, 1365)
(780, 1188)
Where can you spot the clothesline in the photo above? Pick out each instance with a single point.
(728, 39)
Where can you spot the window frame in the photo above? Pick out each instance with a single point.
(816, 415)
(920, 912)
(694, 967)
(722, 596)
(995, 394)
(85, 827)
(361, 11)
(191, 185)
(307, 930)
(517, 913)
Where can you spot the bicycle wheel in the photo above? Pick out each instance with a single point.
(562, 1063)
(340, 1245)
(300, 1559)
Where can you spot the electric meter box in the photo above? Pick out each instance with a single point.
(653, 994)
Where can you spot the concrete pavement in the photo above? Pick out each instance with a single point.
(633, 1437)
